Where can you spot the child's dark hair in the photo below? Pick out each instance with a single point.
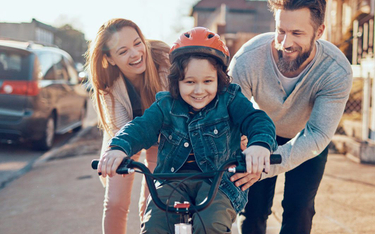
(177, 72)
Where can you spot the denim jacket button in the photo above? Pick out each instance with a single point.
(172, 169)
(186, 144)
(170, 137)
(216, 131)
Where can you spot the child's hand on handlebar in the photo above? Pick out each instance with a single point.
(257, 159)
(110, 161)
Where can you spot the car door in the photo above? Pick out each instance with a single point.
(53, 87)
(65, 101)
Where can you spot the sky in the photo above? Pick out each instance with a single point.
(158, 19)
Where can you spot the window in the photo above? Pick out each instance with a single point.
(60, 67)
(73, 77)
(46, 64)
(13, 65)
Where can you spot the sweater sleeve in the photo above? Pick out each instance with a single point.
(238, 72)
(117, 112)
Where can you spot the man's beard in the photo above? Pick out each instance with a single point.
(285, 65)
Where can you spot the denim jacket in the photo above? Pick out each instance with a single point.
(214, 134)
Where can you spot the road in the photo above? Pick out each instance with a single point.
(70, 197)
(16, 159)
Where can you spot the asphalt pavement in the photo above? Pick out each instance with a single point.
(62, 194)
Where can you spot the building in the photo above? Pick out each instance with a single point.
(34, 31)
(66, 37)
(350, 26)
(236, 21)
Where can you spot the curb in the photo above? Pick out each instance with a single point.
(60, 152)
(63, 151)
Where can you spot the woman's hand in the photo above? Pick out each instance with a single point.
(257, 159)
(110, 161)
(243, 142)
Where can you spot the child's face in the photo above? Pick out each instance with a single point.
(199, 87)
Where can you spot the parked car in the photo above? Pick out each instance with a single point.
(40, 94)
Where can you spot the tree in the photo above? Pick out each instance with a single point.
(72, 41)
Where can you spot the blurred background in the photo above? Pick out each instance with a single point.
(61, 180)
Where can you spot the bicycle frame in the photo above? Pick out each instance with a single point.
(127, 166)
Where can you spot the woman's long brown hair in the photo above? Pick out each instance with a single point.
(103, 75)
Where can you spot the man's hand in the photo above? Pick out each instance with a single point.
(245, 180)
(257, 159)
(243, 142)
(110, 161)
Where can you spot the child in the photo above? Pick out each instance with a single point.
(199, 123)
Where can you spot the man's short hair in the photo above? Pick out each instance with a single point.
(317, 8)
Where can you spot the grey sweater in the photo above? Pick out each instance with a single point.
(311, 113)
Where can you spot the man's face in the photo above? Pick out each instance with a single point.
(294, 40)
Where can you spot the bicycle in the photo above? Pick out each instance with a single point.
(185, 209)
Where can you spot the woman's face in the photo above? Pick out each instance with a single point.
(127, 52)
(199, 86)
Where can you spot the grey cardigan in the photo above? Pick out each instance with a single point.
(122, 112)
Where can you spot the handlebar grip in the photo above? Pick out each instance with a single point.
(275, 159)
(241, 167)
(122, 169)
(94, 164)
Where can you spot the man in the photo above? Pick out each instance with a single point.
(303, 84)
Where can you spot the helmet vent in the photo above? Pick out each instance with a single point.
(210, 36)
(187, 35)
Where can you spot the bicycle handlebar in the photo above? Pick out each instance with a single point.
(128, 164)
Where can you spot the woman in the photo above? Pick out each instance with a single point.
(126, 72)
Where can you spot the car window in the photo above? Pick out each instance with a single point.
(60, 67)
(46, 65)
(72, 72)
(14, 65)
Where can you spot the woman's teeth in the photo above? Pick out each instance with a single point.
(137, 62)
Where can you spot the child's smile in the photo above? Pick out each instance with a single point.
(199, 87)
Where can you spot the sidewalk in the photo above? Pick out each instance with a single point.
(64, 195)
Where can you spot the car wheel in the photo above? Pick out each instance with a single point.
(46, 142)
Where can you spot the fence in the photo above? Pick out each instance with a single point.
(362, 98)
(360, 109)
(358, 121)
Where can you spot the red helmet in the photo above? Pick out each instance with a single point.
(200, 40)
